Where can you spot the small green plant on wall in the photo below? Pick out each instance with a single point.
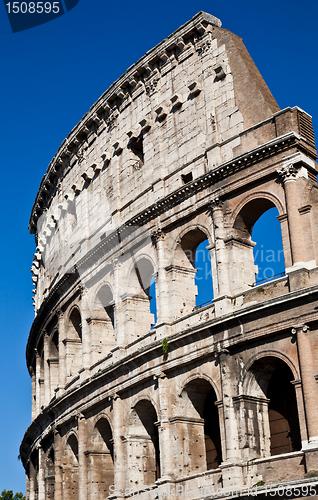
(165, 346)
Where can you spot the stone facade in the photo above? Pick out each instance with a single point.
(188, 145)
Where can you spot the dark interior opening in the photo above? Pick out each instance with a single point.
(212, 432)
(187, 178)
(283, 413)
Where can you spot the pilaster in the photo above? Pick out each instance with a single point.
(82, 461)
(309, 385)
(119, 449)
(62, 354)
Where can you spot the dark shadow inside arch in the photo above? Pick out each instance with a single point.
(105, 297)
(76, 323)
(274, 379)
(203, 398)
(283, 413)
(143, 422)
(212, 432)
(73, 444)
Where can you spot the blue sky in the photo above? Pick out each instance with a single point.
(50, 76)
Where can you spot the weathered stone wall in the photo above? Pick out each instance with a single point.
(188, 145)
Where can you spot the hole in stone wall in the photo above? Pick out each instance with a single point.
(136, 146)
(186, 178)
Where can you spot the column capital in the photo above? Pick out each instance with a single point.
(116, 263)
(216, 203)
(287, 172)
(82, 290)
(113, 397)
(79, 416)
(299, 328)
(60, 314)
(157, 235)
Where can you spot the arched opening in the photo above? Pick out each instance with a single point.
(40, 376)
(273, 398)
(243, 255)
(200, 426)
(212, 432)
(268, 251)
(50, 475)
(283, 413)
(73, 343)
(53, 361)
(140, 301)
(102, 323)
(105, 301)
(203, 277)
(191, 275)
(143, 444)
(70, 469)
(34, 475)
(76, 324)
(153, 301)
(101, 460)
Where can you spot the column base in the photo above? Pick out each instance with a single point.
(223, 305)
(232, 475)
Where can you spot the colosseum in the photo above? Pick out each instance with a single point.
(138, 390)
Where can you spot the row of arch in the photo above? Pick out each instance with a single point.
(197, 433)
(191, 286)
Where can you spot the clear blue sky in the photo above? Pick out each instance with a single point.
(50, 76)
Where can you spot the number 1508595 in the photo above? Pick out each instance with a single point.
(33, 7)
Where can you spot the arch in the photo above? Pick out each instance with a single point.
(141, 270)
(101, 458)
(268, 379)
(71, 445)
(70, 467)
(54, 344)
(185, 282)
(137, 399)
(50, 474)
(137, 300)
(103, 303)
(196, 376)
(189, 239)
(104, 415)
(240, 245)
(53, 361)
(75, 322)
(271, 353)
(143, 443)
(73, 342)
(256, 196)
(200, 423)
